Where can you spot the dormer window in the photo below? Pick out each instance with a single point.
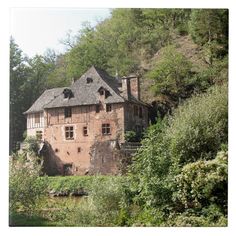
(67, 93)
(107, 94)
(89, 80)
(104, 92)
(101, 92)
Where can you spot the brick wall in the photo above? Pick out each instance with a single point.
(77, 150)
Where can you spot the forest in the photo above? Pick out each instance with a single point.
(179, 176)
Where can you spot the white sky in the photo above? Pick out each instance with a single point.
(36, 29)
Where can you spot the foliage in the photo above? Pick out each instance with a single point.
(172, 74)
(207, 217)
(26, 188)
(198, 128)
(203, 183)
(71, 184)
(209, 27)
(173, 173)
(18, 76)
(102, 206)
(130, 136)
(150, 168)
(28, 79)
(32, 145)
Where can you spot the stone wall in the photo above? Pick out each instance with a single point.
(75, 153)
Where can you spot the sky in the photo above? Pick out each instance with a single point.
(38, 29)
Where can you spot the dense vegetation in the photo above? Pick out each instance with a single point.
(179, 175)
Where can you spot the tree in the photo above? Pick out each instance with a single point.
(19, 72)
(172, 74)
(209, 28)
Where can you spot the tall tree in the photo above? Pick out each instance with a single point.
(209, 28)
(171, 74)
(18, 75)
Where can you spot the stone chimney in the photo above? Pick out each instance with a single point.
(130, 86)
(135, 87)
(125, 88)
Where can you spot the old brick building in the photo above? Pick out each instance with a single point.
(83, 124)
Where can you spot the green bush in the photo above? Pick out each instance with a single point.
(150, 168)
(198, 127)
(130, 136)
(102, 206)
(205, 217)
(26, 188)
(203, 183)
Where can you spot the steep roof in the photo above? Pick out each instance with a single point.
(44, 99)
(87, 93)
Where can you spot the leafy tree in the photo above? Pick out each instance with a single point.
(199, 127)
(172, 74)
(28, 79)
(26, 188)
(209, 28)
(19, 72)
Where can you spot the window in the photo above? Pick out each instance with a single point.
(101, 92)
(67, 93)
(108, 107)
(97, 108)
(37, 118)
(106, 129)
(67, 112)
(69, 132)
(89, 80)
(107, 94)
(39, 135)
(140, 112)
(85, 131)
(135, 111)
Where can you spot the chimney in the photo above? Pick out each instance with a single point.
(130, 86)
(135, 86)
(125, 88)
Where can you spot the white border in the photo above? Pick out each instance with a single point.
(4, 62)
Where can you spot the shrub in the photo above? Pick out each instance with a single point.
(209, 216)
(203, 183)
(198, 127)
(130, 136)
(150, 168)
(102, 206)
(26, 188)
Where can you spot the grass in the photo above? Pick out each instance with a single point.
(71, 184)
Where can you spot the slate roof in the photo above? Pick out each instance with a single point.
(44, 99)
(84, 93)
(87, 93)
